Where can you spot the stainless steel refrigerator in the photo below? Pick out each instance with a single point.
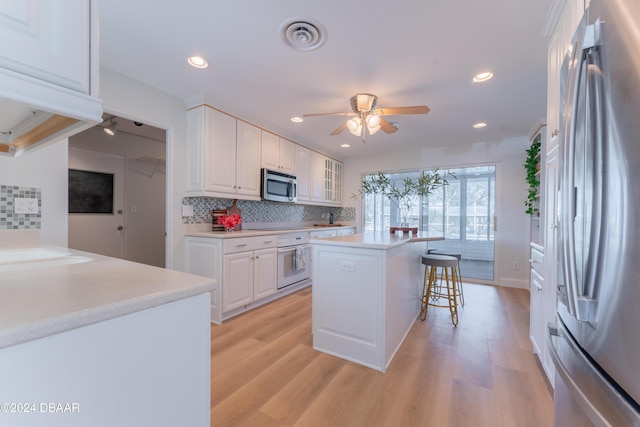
(596, 344)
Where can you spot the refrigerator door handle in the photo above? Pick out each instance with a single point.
(578, 302)
(601, 402)
(574, 64)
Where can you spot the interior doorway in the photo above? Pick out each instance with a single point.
(141, 216)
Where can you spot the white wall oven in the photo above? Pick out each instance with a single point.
(294, 258)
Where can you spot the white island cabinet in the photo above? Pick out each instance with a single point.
(87, 340)
(366, 290)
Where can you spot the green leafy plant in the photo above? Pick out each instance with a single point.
(531, 166)
(407, 194)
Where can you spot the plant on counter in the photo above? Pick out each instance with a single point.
(229, 222)
(531, 165)
(406, 195)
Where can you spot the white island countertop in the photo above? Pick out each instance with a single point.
(376, 240)
(46, 290)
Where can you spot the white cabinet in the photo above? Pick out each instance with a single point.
(332, 181)
(247, 160)
(249, 270)
(48, 66)
(544, 271)
(223, 155)
(303, 172)
(245, 268)
(317, 177)
(203, 256)
(265, 274)
(277, 153)
(559, 47)
(48, 40)
(536, 320)
(326, 180)
(346, 231)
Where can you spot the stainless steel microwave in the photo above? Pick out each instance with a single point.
(277, 186)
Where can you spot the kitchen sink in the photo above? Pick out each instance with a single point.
(37, 257)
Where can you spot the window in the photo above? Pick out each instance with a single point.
(462, 211)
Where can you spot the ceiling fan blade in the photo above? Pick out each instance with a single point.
(392, 111)
(340, 129)
(386, 126)
(328, 114)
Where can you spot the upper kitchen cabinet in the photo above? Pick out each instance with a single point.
(562, 24)
(223, 155)
(325, 186)
(302, 172)
(278, 154)
(48, 71)
(333, 181)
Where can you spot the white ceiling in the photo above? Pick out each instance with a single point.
(407, 52)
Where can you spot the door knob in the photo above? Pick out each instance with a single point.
(120, 228)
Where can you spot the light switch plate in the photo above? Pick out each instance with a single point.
(24, 205)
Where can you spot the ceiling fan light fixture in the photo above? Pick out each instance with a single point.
(363, 102)
(355, 126)
(373, 123)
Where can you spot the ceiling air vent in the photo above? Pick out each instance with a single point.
(303, 34)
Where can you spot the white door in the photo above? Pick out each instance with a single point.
(97, 227)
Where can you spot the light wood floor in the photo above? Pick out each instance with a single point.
(482, 373)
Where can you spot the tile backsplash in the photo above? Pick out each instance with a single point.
(13, 221)
(265, 211)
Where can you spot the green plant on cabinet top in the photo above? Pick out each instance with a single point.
(531, 166)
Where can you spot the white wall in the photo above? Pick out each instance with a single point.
(45, 168)
(145, 228)
(512, 235)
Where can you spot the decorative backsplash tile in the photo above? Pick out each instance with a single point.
(13, 221)
(264, 211)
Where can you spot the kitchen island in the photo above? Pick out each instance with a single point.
(92, 340)
(366, 290)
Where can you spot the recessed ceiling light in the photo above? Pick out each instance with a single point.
(197, 62)
(483, 77)
(345, 145)
(296, 119)
(480, 125)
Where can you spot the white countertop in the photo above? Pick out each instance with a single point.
(262, 232)
(378, 240)
(67, 289)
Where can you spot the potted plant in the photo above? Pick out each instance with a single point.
(532, 167)
(406, 195)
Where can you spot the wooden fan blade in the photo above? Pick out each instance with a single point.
(386, 126)
(328, 114)
(340, 129)
(392, 111)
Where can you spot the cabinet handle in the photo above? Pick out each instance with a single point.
(268, 241)
(240, 246)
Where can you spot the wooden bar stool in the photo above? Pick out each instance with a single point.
(436, 287)
(458, 275)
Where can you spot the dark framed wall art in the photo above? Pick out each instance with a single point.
(90, 192)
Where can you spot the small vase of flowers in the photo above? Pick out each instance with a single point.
(229, 222)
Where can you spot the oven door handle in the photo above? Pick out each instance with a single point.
(293, 248)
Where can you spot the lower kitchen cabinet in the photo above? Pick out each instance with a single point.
(248, 276)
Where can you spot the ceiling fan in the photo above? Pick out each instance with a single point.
(368, 119)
